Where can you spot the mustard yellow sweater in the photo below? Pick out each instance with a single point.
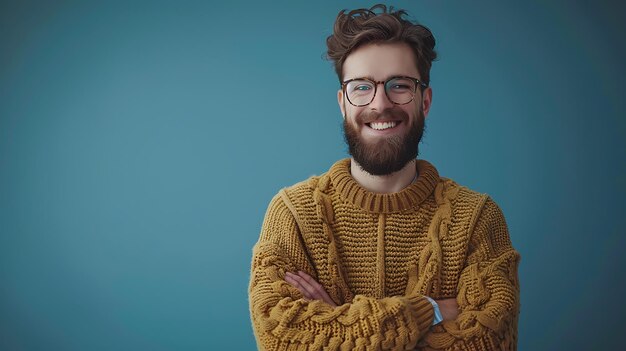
(378, 255)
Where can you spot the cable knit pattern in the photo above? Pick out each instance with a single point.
(378, 255)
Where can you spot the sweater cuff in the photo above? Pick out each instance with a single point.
(424, 312)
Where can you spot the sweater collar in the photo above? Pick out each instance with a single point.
(407, 198)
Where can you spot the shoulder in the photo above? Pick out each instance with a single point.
(485, 224)
(294, 201)
(303, 194)
(282, 214)
(474, 205)
(305, 190)
(461, 195)
(301, 190)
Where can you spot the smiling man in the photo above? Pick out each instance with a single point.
(380, 252)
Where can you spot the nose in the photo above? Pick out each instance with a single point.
(381, 102)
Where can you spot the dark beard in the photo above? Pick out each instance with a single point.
(388, 155)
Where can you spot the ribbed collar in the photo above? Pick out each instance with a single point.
(407, 198)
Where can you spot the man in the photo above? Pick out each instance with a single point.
(380, 252)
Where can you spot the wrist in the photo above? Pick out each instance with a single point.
(438, 318)
(422, 311)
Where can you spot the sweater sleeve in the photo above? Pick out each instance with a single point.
(283, 320)
(487, 293)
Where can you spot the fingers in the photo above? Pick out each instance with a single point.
(301, 284)
(309, 287)
(295, 282)
(320, 292)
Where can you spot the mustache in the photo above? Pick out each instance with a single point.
(390, 114)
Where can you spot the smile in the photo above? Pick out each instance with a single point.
(382, 125)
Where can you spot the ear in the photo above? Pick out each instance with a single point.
(341, 103)
(427, 99)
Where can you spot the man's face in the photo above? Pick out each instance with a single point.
(383, 137)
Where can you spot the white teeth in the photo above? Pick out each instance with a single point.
(383, 125)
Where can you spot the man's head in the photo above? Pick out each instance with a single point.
(383, 114)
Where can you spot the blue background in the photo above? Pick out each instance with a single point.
(140, 144)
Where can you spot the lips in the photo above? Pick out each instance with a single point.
(383, 125)
(386, 121)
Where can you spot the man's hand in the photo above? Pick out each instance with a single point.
(311, 289)
(449, 309)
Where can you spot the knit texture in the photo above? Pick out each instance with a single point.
(378, 256)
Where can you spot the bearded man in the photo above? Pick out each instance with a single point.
(380, 252)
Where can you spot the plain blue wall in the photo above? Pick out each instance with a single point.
(140, 144)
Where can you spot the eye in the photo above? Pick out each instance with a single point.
(362, 87)
(400, 86)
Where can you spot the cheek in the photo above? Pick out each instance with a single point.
(354, 115)
(412, 110)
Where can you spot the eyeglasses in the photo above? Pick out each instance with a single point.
(399, 90)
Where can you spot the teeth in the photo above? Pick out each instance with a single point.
(383, 125)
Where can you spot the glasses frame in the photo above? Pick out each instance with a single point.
(418, 83)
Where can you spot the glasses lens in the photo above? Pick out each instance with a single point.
(400, 90)
(360, 92)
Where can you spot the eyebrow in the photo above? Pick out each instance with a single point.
(372, 78)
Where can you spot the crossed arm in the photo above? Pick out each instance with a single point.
(312, 290)
(284, 319)
(291, 310)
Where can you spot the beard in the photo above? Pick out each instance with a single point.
(387, 155)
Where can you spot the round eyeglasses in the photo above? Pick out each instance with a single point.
(399, 90)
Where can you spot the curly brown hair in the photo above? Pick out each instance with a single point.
(365, 26)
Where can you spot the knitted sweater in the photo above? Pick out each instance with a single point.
(378, 256)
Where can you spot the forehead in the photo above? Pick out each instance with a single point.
(380, 61)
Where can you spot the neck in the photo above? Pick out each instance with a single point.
(385, 184)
